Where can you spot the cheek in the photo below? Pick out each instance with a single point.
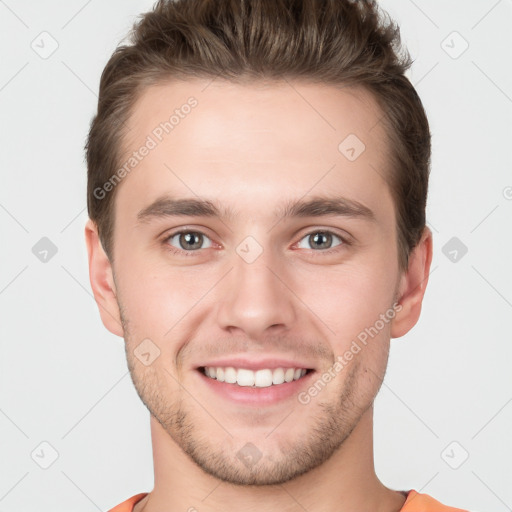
(157, 299)
(350, 300)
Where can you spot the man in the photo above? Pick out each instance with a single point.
(257, 181)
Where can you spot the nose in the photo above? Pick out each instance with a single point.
(256, 298)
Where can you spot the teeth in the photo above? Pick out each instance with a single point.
(245, 378)
(260, 378)
(263, 378)
(278, 376)
(230, 375)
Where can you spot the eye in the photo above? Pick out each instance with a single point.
(322, 240)
(189, 240)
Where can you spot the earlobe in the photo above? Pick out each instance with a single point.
(102, 281)
(412, 286)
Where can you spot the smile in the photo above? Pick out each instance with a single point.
(248, 378)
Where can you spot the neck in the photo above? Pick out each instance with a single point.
(346, 482)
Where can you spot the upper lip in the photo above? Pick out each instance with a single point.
(257, 364)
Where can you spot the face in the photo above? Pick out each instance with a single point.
(255, 249)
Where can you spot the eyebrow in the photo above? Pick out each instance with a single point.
(317, 206)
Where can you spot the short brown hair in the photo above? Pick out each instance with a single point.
(336, 42)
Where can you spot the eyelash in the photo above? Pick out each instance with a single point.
(183, 252)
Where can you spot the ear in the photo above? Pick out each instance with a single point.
(413, 284)
(102, 281)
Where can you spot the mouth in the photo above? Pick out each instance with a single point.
(257, 382)
(261, 378)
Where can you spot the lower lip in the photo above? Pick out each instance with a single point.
(250, 395)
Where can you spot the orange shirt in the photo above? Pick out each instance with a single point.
(415, 502)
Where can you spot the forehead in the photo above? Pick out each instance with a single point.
(225, 141)
(293, 111)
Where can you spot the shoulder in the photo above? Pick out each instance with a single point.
(127, 506)
(417, 502)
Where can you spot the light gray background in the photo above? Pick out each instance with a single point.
(63, 377)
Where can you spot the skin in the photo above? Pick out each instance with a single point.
(252, 148)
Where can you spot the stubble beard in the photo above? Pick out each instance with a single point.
(329, 427)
